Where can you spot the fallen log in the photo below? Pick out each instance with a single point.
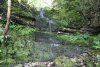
(93, 30)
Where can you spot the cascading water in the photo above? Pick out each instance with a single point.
(42, 13)
(49, 29)
(50, 22)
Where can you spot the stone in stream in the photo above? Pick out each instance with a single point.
(19, 65)
(36, 64)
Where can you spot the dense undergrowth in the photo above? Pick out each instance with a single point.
(18, 46)
(81, 39)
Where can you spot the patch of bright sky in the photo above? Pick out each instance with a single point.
(40, 3)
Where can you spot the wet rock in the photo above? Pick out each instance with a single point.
(36, 64)
(83, 60)
(19, 65)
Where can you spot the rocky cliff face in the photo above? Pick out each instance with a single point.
(91, 12)
(91, 15)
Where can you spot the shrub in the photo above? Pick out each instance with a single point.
(75, 39)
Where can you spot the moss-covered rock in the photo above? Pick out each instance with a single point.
(63, 61)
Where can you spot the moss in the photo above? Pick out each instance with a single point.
(63, 61)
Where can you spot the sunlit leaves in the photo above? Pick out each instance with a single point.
(37, 3)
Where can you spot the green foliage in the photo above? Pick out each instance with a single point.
(1, 33)
(1, 39)
(16, 50)
(10, 61)
(81, 39)
(21, 9)
(66, 13)
(96, 42)
(18, 46)
(22, 30)
(21, 42)
(76, 39)
(2, 21)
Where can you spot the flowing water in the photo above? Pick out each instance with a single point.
(44, 23)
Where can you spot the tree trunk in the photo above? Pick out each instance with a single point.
(8, 20)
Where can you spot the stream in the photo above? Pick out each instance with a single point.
(57, 47)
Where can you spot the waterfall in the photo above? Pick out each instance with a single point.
(52, 42)
(42, 13)
(49, 27)
(50, 22)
